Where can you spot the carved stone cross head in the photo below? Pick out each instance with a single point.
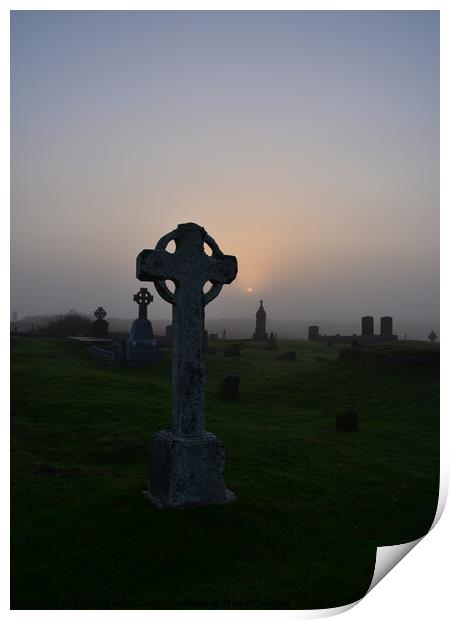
(189, 267)
(143, 298)
(100, 313)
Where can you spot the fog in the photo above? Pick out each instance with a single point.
(306, 143)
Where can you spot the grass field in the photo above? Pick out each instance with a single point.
(312, 504)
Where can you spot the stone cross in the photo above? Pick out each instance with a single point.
(100, 313)
(189, 268)
(143, 298)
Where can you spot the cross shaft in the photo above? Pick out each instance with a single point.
(189, 267)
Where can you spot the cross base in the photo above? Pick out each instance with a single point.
(187, 471)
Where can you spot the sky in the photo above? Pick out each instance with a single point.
(305, 142)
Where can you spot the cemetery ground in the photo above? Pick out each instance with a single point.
(312, 504)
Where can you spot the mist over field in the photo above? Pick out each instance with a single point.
(306, 143)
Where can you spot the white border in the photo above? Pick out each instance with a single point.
(419, 586)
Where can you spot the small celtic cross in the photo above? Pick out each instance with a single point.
(100, 313)
(143, 298)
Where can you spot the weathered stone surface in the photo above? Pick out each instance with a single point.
(176, 459)
(229, 387)
(187, 470)
(347, 420)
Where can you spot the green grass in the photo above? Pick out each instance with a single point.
(312, 505)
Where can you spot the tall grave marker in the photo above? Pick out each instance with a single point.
(187, 463)
(100, 326)
(141, 345)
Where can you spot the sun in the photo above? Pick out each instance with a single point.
(249, 290)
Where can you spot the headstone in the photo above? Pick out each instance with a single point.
(386, 326)
(367, 325)
(214, 336)
(187, 463)
(229, 388)
(347, 420)
(260, 329)
(100, 326)
(141, 345)
(224, 334)
(313, 332)
(432, 336)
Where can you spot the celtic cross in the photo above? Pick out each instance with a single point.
(100, 313)
(143, 298)
(189, 268)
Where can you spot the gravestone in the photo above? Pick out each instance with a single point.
(214, 336)
(224, 334)
(367, 325)
(100, 326)
(229, 388)
(313, 332)
(260, 329)
(347, 420)
(432, 336)
(141, 345)
(386, 326)
(187, 463)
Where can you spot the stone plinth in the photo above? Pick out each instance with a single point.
(141, 346)
(100, 328)
(187, 471)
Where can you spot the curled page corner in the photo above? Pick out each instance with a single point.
(388, 557)
(329, 611)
